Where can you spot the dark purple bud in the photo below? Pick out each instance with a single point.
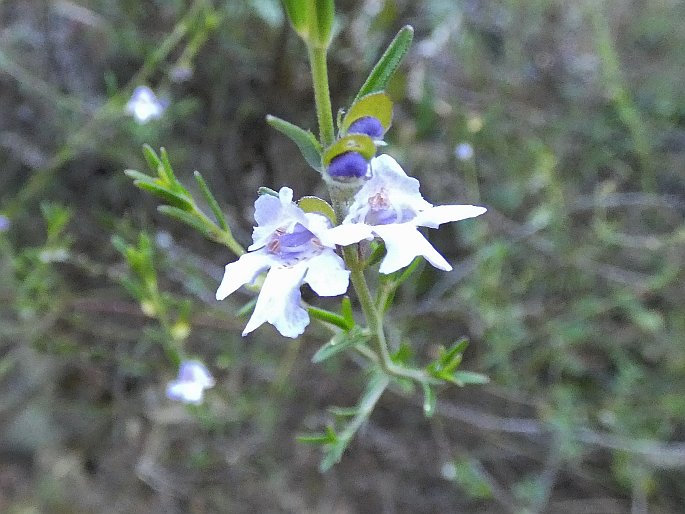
(367, 125)
(348, 165)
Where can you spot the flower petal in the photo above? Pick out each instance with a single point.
(403, 243)
(187, 392)
(272, 213)
(346, 234)
(327, 274)
(242, 271)
(436, 216)
(195, 371)
(279, 301)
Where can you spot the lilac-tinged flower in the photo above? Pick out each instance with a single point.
(390, 206)
(144, 105)
(189, 387)
(4, 223)
(287, 242)
(348, 165)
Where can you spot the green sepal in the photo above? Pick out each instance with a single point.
(322, 15)
(387, 65)
(211, 201)
(318, 206)
(429, 400)
(376, 105)
(297, 13)
(304, 139)
(340, 342)
(359, 143)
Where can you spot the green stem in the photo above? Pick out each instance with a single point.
(322, 96)
(374, 319)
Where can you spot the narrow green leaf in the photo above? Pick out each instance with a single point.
(327, 317)
(388, 63)
(376, 105)
(137, 175)
(343, 412)
(119, 244)
(151, 158)
(211, 201)
(340, 342)
(177, 200)
(247, 308)
(317, 205)
(360, 143)
(429, 400)
(186, 217)
(447, 356)
(470, 377)
(328, 437)
(166, 168)
(346, 311)
(304, 139)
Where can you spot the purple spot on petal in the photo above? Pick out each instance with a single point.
(348, 165)
(368, 125)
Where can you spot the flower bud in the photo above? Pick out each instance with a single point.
(348, 165)
(368, 125)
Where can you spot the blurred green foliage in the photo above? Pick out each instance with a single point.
(569, 289)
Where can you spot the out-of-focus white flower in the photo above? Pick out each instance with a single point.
(189, 387)
(287, 242)
(144, 105)
(391, 207)
(463, 152)
(4, 223)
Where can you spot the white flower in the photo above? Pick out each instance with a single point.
(390, 206)
(193, 378)
(287, 242)
(144, 105)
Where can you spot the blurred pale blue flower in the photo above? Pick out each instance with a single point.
(144, 105)
(4, 223)
(463, 152)
(287, 242)
(391, 207)
(189, 387)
